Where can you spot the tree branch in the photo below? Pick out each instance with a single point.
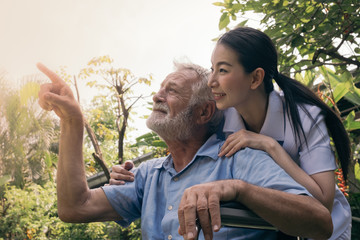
(98, 154)
(335, 55)
(102, 164)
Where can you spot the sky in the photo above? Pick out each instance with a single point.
(144, 36)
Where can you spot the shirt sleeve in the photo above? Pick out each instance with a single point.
(127, 199)
(258, 168)
(316, 154)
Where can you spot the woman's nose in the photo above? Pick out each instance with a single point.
(212, 80)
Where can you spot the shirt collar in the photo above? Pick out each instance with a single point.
(233, 121)
(274, 121)
(209, 149)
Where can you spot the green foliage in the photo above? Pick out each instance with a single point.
(31, 213)
(102, 118)
(357, 172)
(25, 137)
(150, 139)
(28, 213)
(308, 33)
(151, 142)
(341, 85)
(354, 201)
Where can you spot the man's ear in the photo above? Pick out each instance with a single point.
(205, 112)
(257, 77)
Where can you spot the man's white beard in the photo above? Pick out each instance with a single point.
(179, 127)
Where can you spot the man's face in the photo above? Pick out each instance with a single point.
(171, 116)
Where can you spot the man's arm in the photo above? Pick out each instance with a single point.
(76, 202)
(296, 215)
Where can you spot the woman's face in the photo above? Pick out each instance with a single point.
(229, 82)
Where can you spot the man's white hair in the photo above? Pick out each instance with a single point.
(201, 92)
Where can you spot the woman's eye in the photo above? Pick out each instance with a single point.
(222, 70)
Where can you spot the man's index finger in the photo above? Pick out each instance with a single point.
(53, 76)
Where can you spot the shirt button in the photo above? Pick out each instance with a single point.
(169, 237)
(176, 179)
(170, 208)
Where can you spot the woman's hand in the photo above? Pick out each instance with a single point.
(121, 173)
(242, 139)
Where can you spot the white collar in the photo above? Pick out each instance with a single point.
(274, 121)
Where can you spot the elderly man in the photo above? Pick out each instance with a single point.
(170, 193)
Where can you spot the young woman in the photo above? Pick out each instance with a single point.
(291, 126)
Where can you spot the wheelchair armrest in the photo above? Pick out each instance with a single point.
(235, 214)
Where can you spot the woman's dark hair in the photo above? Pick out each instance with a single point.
(256, 50)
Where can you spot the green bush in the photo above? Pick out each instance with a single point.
(31, 213)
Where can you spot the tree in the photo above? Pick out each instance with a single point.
(117, 85)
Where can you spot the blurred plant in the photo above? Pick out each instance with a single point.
(31, 213)
(26, 137)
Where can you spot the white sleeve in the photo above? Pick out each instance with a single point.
(316, 155)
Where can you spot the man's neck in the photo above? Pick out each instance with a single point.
(183, 152)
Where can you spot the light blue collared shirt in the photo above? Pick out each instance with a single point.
(157, 190)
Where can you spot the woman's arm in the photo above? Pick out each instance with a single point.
(320, 185)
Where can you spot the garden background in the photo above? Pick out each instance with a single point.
(318, 43)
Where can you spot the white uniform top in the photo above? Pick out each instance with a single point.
(313, 158)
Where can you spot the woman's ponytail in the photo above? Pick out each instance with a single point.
(296, 94)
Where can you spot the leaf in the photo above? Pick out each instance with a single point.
(297, 41)
(243, 23)
(350, 123)
(237, 7)
(309, 9)
(275, 2)
(224, 21)
(159, 143)
(219, 4)
(48, 160)
(28, 91)
(340, 91)
(4, 179)
(353, 96)
(91, 83)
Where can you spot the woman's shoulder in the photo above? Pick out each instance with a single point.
(306, 111)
